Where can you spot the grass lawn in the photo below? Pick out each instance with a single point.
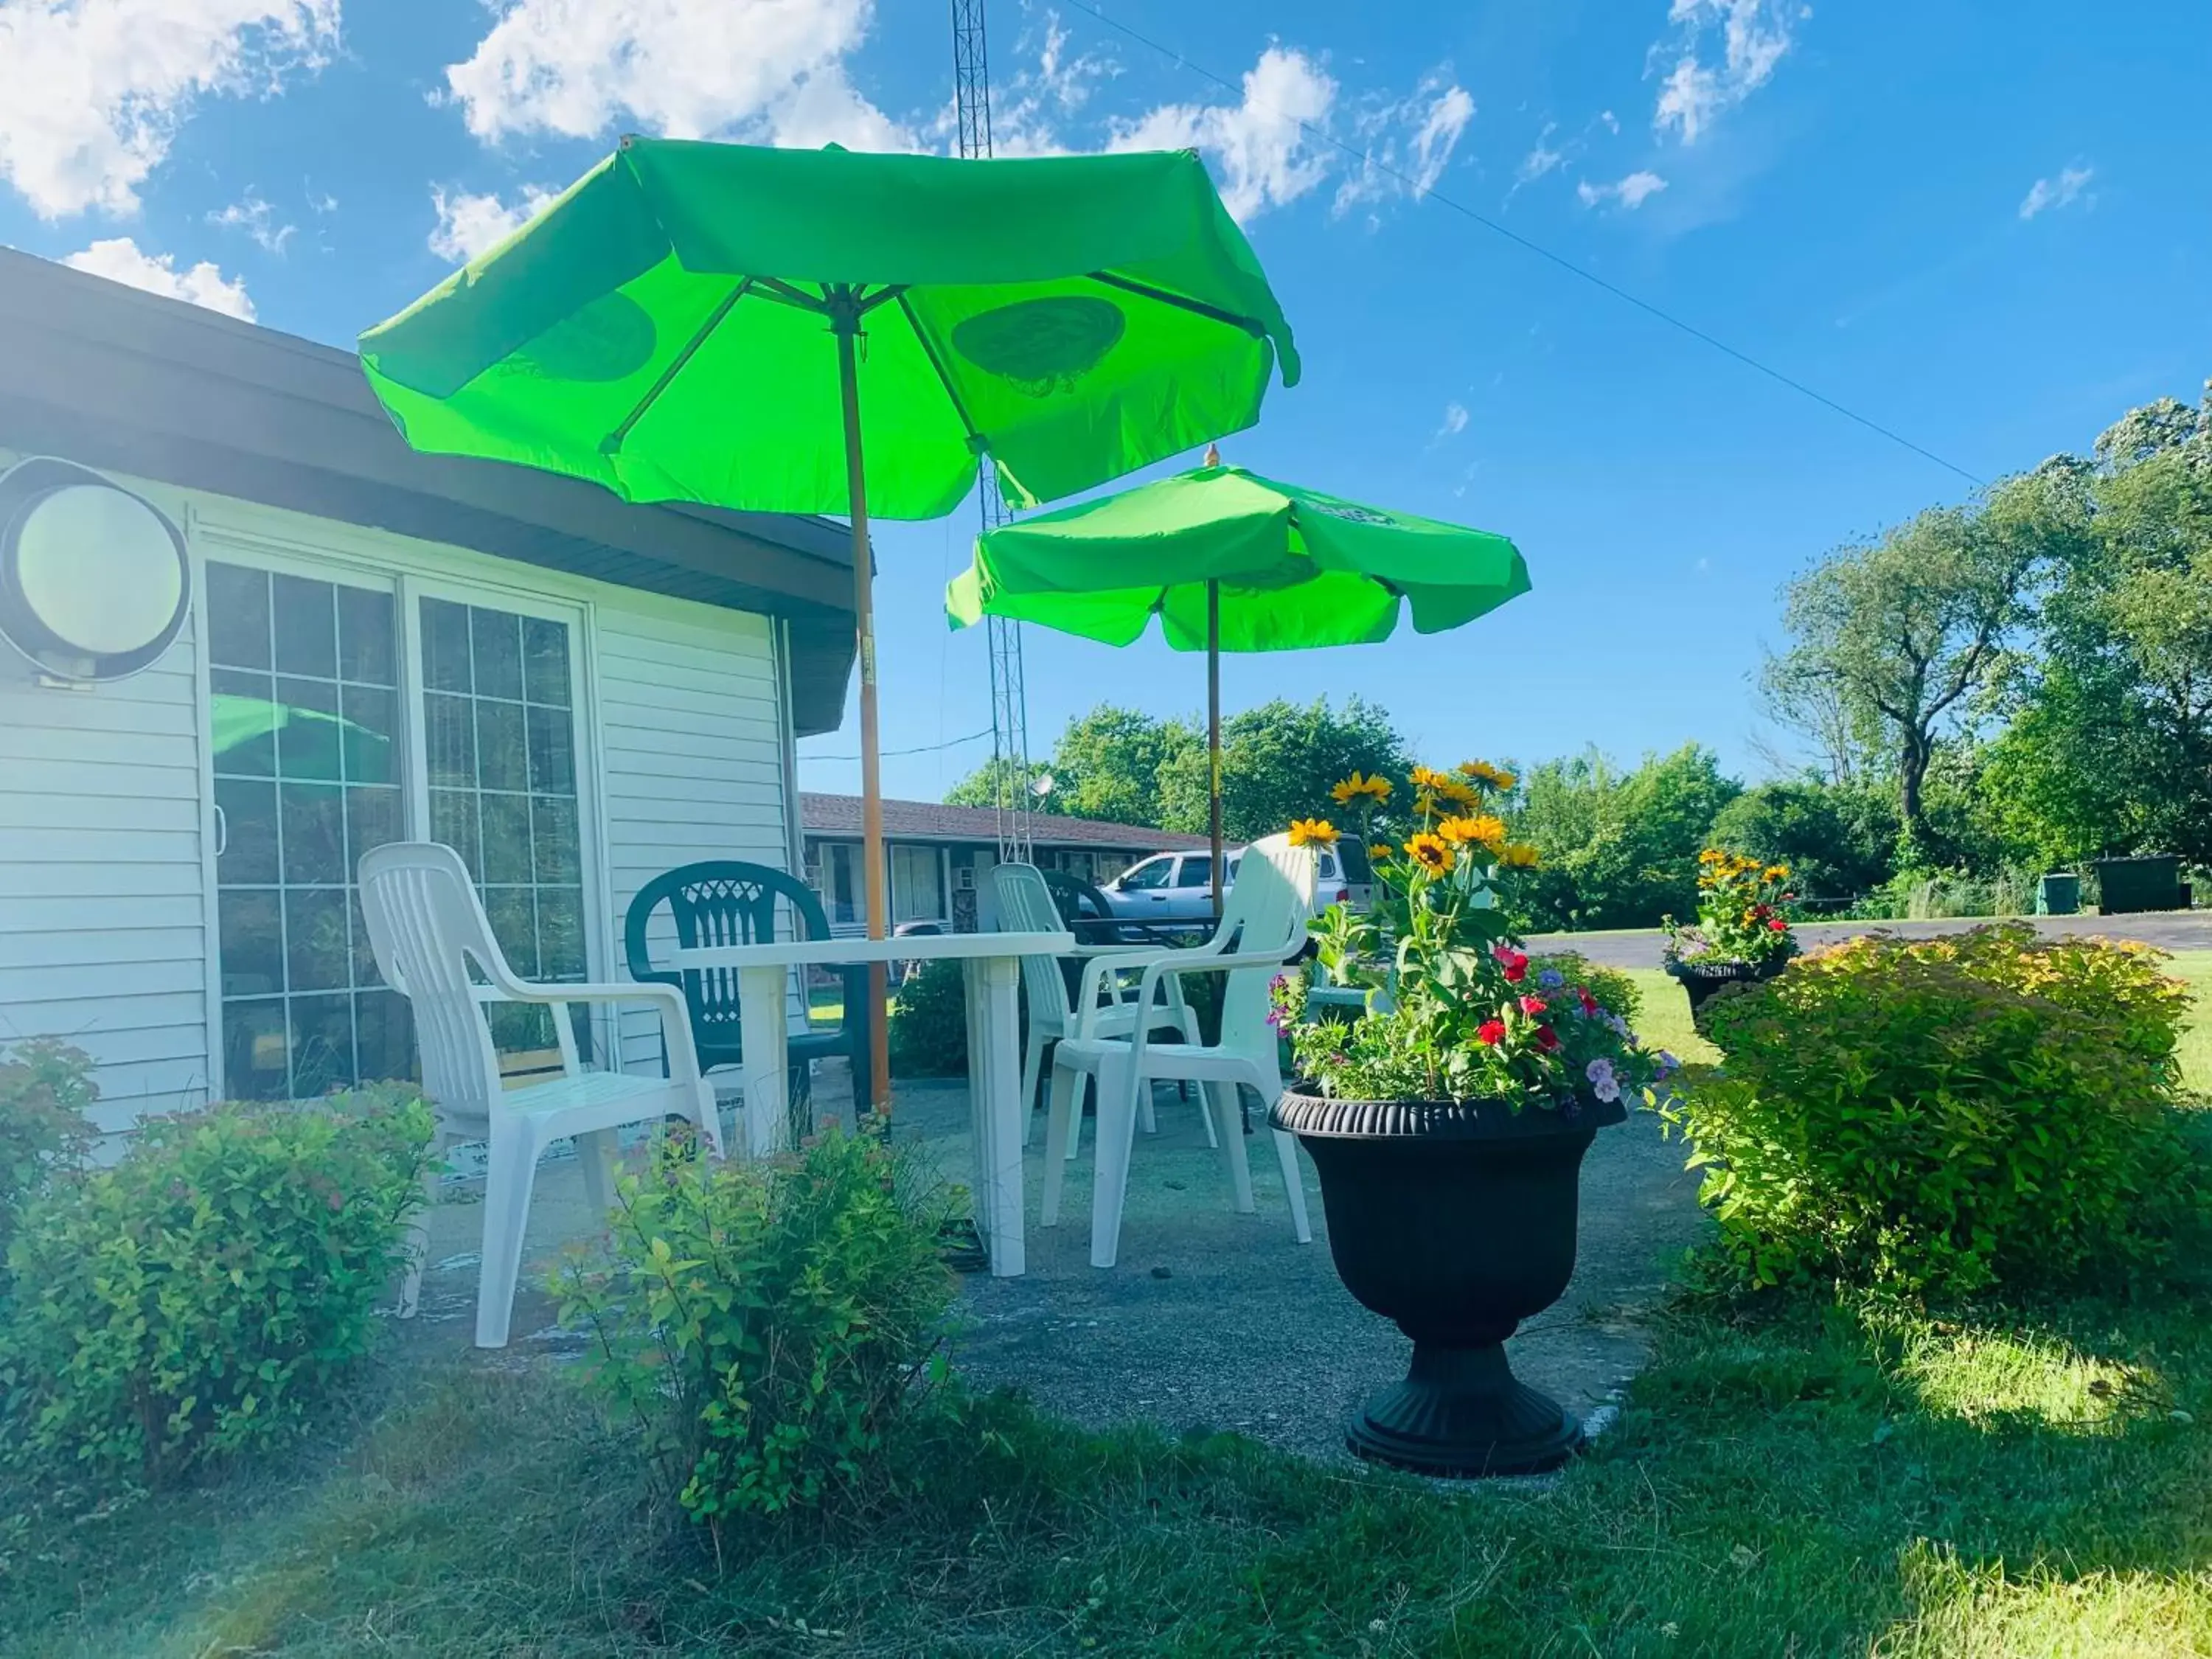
(1801, 1480)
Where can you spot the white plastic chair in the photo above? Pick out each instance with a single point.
(1265, 920)
(1025, 905)
(426, 927)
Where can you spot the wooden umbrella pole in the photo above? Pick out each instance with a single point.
(1214, 729)
(845, 320)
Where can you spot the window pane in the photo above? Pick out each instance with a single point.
(561, 933)
(552, 751)
(322, 1045)
(238, 617)
(250, 927)
(365, 970)
(545, 661)
(384, 1036)
(317, 957)
(255, 1055)
(453, 821)
(449, 741)
(243, 716)
(373, 817)
(444, 646)
(506, 856)
(515, 925)
(367, 641)
(366, 744)
(307, 736)
(502, 761)
(249, 828)
(313, 818)
(498, 638)
(1196, 872)
(553, 836)
(307, 627)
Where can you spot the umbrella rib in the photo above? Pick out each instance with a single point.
(775, 287)
(613, 443)
(936, 364)
(1251, 325)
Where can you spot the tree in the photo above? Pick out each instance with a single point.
(979, 786)
(1279, 763)
(1839, 839)
(1106, 765)
(1621, 850)
(1905, 631)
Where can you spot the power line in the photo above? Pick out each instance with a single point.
(924, 749)
(1367, 159)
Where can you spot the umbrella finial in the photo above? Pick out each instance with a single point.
(1213, 454)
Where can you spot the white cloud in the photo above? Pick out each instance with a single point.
(92, 92)
(1408, 141)
(2062, 192)
(120, 260)
(1028, 105)
(1455, 421)
(1630, 192)
(770, 69)
(1262, 145)
(1756, 35)
(469, 224)
(258, 220)
(1542, 157)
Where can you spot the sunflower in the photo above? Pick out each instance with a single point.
(1375, 788)
(1483, 772)
(1519, 856)
(1427, 777)
(1380, 851)
(1432, 852)
(1776, 873)
(1484, 832)
(1312, 832)
(1459, 794)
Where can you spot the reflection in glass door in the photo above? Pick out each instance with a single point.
(500, 744)
(305, 714)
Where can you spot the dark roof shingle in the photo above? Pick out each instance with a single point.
(924, 820)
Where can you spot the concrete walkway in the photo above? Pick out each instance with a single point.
(2169, 930)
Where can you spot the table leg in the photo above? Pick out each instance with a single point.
(994, 1073)
(761, 1018)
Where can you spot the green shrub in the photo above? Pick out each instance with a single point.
(196, 1298)
(1610, 986)
(1944, 1115)
(929, 1022)
(769, 1323)
(46, 1087)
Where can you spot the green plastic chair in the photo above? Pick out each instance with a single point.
(726, 901)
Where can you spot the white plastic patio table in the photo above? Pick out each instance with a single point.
(993, 965)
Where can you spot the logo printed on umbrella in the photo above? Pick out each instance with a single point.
(1350, 510)
(1041, 346)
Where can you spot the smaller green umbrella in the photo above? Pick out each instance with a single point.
(1230, 561)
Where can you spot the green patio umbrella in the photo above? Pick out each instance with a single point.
(821, 331)
(1229, 560)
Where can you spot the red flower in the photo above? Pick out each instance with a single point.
(1515, 964)
(1778, 926)
(1533, 1004)
(1547, 1038)
(1588, 1002)
(1491, 1031)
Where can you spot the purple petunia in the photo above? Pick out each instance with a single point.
(1550, 979)
(1603, 1083)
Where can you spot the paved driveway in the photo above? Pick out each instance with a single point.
(2169, 930)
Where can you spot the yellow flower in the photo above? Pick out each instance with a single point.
(1777, 872)
(1483, 772)
(1519, 856)
(1459, 794)
(1313, 832)
(1432, 852)
(1427, 777)
(1484, 831)
(1377, 788)
(1381, 851)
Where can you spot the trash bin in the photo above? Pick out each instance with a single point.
(2059, 895)
(2152, 882)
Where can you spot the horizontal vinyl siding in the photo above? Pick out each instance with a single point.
(690, 758)
(104, 938)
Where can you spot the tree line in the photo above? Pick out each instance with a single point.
(2017, 683)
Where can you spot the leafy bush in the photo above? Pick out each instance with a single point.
(1944, 1115)
(46, 1087)
(1839, 839)
(929, 1022)
(1619, 849)
(769, 1323)
(195, 1299)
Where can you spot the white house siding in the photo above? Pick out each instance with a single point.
(106, 930)
(691, 756)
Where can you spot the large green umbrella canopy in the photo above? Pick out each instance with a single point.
(1229, 560)
(821, 331)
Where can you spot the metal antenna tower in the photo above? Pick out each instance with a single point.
(1010, 720)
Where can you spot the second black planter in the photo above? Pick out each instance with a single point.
(1702, 980)
(1456, 1219)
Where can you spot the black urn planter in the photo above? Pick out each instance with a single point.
(1456, 1220)
(1702, 980)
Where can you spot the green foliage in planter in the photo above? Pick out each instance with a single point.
(46, 1087)
(1945, 1114)
(196, 1298)
(770, 1323)
(929, 1022)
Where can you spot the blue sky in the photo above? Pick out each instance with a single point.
(1983, 226)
